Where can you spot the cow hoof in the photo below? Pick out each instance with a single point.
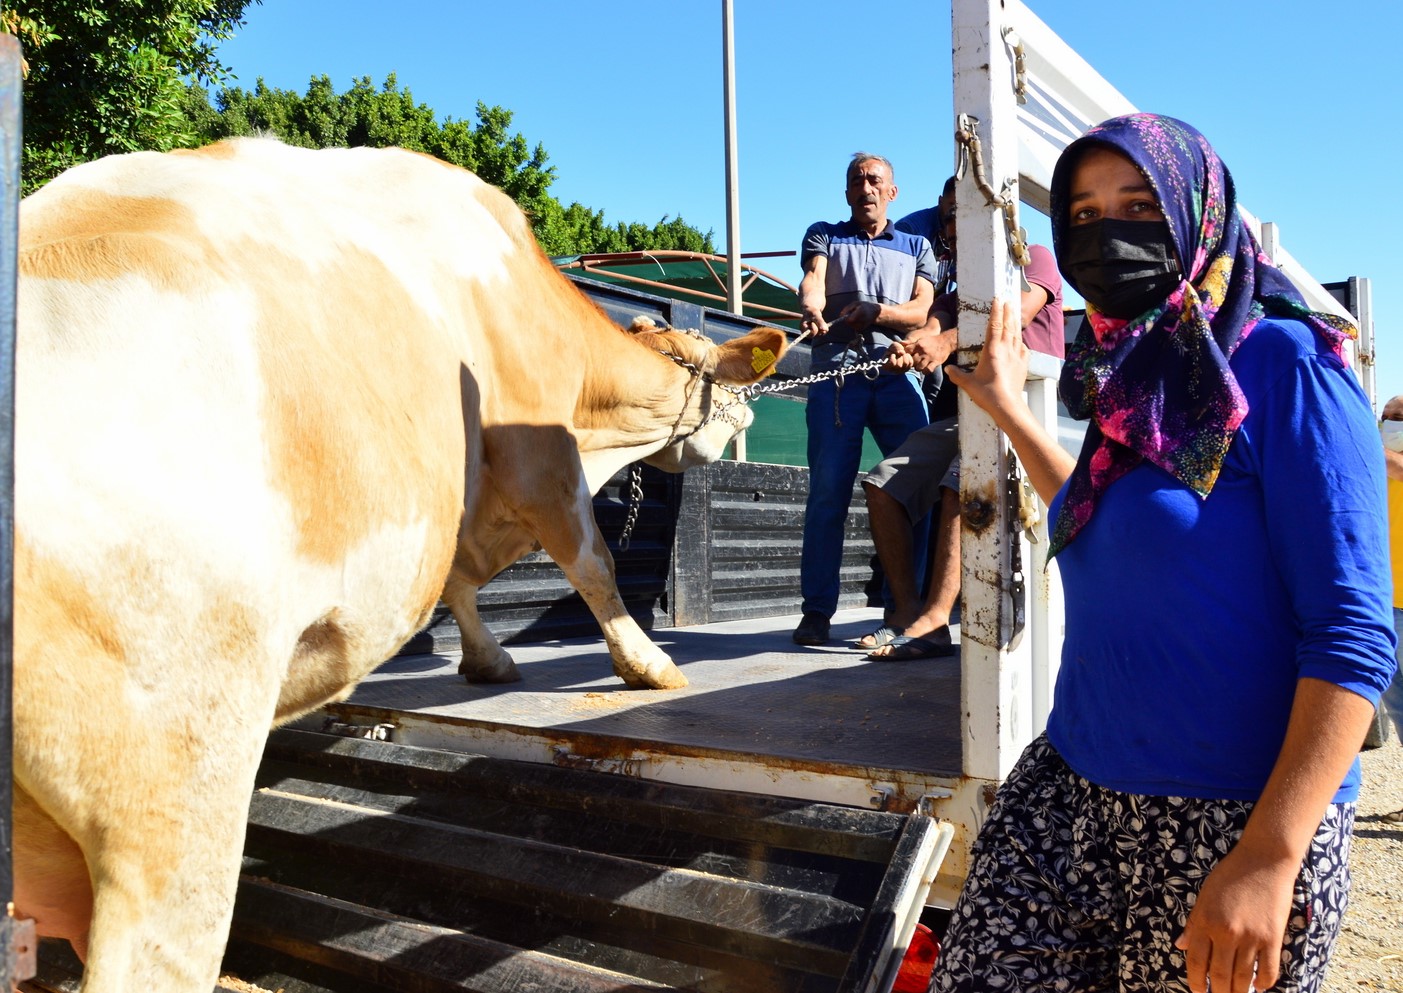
(499, 669)
(659, 677)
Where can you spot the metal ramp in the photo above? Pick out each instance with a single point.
(376, 866)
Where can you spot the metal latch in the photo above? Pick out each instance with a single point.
(374, 732)
(1019, 506)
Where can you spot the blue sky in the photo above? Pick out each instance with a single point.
(1300, 101)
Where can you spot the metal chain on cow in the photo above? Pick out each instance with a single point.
(742, 395)
(869, 370)
(635, 500)
(635, 477)
(748, 394)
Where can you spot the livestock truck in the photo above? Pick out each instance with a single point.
(786, 822)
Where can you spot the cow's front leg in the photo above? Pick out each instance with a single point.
(484, 660)
(573, 540)
(637, 661)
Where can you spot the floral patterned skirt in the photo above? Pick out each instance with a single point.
(1076, 888)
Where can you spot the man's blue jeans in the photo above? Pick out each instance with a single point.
(892, 407)
(1392, 701)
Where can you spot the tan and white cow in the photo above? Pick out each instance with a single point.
(269, 402)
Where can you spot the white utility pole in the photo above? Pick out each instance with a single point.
(733, 274)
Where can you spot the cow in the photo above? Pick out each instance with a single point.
(271, 403)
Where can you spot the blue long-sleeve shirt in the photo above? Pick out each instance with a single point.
(1189, 621)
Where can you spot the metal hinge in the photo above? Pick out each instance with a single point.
(567, 759)
(1020, 506)
(21, 950)
(925, 806)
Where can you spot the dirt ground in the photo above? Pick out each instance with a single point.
(1369, 955)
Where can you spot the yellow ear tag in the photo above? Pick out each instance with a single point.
(761, 358)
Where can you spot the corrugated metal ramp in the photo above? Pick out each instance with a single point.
(377, 866)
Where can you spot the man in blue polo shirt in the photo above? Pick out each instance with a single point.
(865, 285)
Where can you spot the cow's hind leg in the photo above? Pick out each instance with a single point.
(484, 660)
(51, 883)
(164, 850)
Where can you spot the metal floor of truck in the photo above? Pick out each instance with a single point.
(754, 698)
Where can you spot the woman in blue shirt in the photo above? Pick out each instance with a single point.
(1222, 541)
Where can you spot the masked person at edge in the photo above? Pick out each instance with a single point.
(1186, 818)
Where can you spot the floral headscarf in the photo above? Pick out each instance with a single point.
(1158, 386)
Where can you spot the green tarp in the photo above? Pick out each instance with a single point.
(693, 278)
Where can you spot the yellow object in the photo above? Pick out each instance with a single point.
(1395, 538)
(761, 358)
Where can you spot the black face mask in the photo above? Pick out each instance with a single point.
(1122, 268)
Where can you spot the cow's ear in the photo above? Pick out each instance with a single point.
(749, 358)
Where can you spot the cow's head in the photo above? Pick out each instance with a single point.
(714, 412)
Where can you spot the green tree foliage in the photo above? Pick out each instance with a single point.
(577, 230)
(107, 76)
(365, 115)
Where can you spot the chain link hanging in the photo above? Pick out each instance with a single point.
(971, 159)
(635, 500)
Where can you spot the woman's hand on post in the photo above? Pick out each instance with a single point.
(996, 386)
(996, 383)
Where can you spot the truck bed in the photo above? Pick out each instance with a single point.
(761, 714)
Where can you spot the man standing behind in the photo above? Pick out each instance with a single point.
(865, 285)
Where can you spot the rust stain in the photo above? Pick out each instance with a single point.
(979, 509)
(626, 754)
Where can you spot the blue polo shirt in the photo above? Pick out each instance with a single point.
(880, 270)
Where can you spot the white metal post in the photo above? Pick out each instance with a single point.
(1368, 365)
(996, 684)
(1046, 610)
